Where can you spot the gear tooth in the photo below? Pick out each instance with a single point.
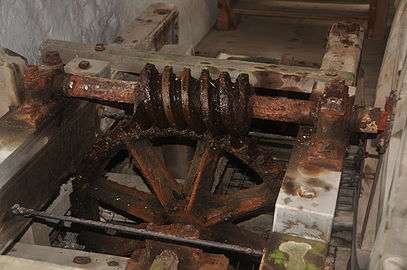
(168, 69)
(243, 78)
(224, 76)
(205, 75)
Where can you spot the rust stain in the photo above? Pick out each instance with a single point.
(316, 182)
(311, 170)
(290, 186)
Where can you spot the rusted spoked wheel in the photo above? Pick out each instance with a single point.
(194, 200)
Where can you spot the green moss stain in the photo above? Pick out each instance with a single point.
(318, 249)
(311, 266)
(278, 257)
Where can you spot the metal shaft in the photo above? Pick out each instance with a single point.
(18, 210)
(267, 108)
(164, 100)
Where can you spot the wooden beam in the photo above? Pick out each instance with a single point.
(304, 10)
(343, 50)
(301, 14)
(343, 47)
(378, 14)
(33, 173)
(67, 257)
(305, 6)
(225, 17)
(278, 77)
(306, 204)
(155, 27)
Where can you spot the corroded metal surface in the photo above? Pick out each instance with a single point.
(99, 88)
(190, 202)
(329, 139)
(284, 110)
(41, 102)
(220, 106)
(217, 114)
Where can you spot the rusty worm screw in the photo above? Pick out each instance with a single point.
(84, 64)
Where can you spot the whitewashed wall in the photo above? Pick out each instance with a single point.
(390, 247)
(25, 24)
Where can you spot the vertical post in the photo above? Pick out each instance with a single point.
(378, 14)
(225, 15)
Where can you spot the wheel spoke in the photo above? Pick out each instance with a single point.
(148, 161)
(235, 235)
(201, 174)
(224, 208)
(129, 200)
(261, 161)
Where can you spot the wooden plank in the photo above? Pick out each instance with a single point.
(66, 257)
(330, 6)
(278, 77)
(33, 173)
(378, 14)
(156, 26)
(342, 52)
(301, 14)
(343, 47)
(307, 10)
(12, 263)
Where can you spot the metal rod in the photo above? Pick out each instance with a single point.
(271, 136)
(21, 211)
(115, 116)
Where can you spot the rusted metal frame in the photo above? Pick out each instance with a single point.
(201, 175)
(225, 208)
(40, 102)
(278, 77)
(128, 200)
(329, 141)
(148, 161)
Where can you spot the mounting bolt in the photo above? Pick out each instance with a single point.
(84, 64)
(52, 58)
(307, 192)
(100, 47)
(31, 72)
